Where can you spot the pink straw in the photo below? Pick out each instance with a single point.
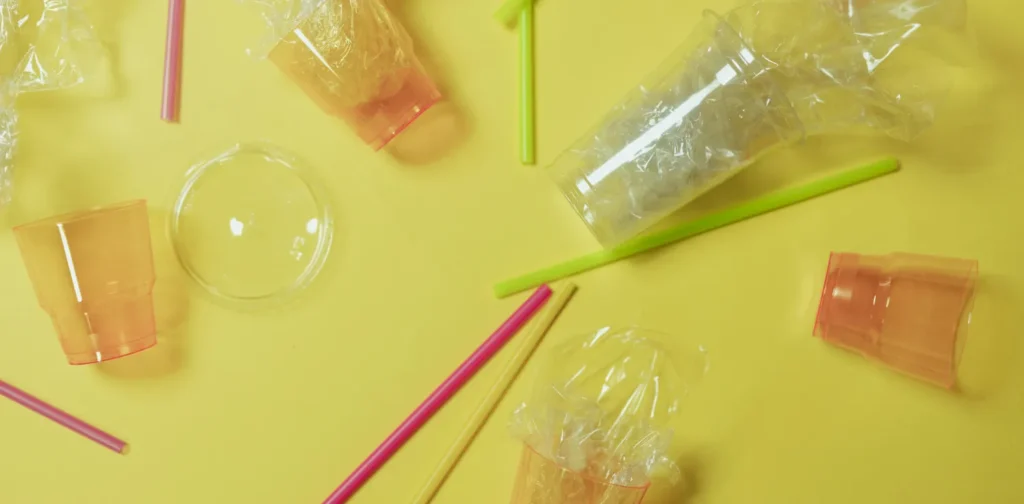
(438, 397)
(172, 61)
(33, 403)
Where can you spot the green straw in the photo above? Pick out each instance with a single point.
(527, 133)
(510, 11)
(758, 206)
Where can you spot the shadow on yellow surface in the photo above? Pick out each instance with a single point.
(693, 468)
(442, 128)
(432, 137)
(989, 354)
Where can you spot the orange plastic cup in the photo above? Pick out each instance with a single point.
(908, 311)
(93, 274)
(541, 481)
(357, 62)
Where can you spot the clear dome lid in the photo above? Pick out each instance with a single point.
(251, 226)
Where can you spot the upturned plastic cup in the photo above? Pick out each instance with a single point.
(356, 62)
(541, 481)
(707, 113)
(908, 311)
(93, 274)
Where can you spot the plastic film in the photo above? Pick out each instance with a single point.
(768, 73)
(599, 423)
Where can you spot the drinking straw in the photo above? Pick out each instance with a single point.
(438, 397)
(490, 402)
(758, 206)
(35, 404)
(527, 103)
(510, 11)
(172, 61)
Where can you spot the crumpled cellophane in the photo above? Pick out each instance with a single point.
(598, 424)
(360, 52)
(8, 137)
(40, 42)
(767, 74)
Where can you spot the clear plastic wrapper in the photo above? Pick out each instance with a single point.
(598, 425)
(41, 48)
(354, 59)
(42, 43)
(768, 73)
(8, 137)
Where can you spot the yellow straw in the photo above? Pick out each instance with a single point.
(483, 412)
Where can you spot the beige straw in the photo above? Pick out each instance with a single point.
(483, 412)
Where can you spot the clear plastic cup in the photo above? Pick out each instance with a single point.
(707, 113)
(908, 311)
(357, 62)
(541, 481)
(93, 274)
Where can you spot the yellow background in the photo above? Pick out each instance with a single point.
(277, 407)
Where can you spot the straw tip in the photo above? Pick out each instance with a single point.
(502, 290)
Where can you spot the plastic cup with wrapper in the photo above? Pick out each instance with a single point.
(598, 426)
(92, 272)
(767, 74)
(356, 61)
(908, 311)
(705, 115)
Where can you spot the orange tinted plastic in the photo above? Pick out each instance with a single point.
(908, 311)
(541, 481)
(93, 274)
(357, 63)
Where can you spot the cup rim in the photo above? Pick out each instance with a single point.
(81, 215)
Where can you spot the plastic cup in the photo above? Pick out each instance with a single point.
(92, 272)
(908, 311)
(357, 63)
(541, 481)
(706, 114)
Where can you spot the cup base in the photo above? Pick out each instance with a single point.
(111, 353)
(380, 122)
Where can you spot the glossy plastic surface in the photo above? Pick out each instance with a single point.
(41, 42)
(858, 66)
(93, 274)
(768, 73)
(251, 225)
(541, 481)
(42, 47)
(697, 121)
(354, 59)
(909, 311)
(603, 403)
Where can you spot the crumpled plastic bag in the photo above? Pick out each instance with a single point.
(601, 415)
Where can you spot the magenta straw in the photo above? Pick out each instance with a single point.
(172, 61)
(438, 397)
(35, 404)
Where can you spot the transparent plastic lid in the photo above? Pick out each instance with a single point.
(250, 226)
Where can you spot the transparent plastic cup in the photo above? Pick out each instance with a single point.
(92, 272)
(541, 481)
(706, 114)
(357, 62)
(908, 311)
